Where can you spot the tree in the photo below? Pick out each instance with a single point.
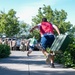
(9, 23)
(24, 29)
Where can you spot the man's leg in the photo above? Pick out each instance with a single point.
(29, 52)
(46, 41)
(31, 48)
(45, 53)
(50, 59)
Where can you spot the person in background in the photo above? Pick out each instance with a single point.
(32, 44)
(22, 45)
(47, 38)
(13, 44)
(6, 41)
(18, 44)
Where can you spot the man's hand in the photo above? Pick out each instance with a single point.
(31, 30)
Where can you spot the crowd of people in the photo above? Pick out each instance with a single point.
(15, 44)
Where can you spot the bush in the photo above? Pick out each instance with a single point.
(68, 55)
(4, 50)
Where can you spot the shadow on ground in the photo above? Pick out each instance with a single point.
(6, 71)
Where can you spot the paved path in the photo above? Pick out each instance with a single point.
(19, 64)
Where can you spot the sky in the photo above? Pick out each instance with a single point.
(26, 9)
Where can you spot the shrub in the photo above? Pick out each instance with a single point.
(68, 55)
(4, 50)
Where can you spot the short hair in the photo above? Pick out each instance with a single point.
(44, 19)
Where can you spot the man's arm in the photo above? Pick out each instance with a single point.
(33, 28)
(56, 28)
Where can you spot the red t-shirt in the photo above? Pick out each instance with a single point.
(46, 27)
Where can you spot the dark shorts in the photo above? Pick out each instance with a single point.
(46, 41)
(31, 48)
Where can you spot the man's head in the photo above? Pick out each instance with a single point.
(44, 19)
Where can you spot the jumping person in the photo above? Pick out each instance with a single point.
(47, 38)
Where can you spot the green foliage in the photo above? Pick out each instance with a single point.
(36, 34)
(4, 50)
(48, 50)
(68, 55)
(67, 60)
(9, 23)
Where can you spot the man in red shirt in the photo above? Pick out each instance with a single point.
(47, 38)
